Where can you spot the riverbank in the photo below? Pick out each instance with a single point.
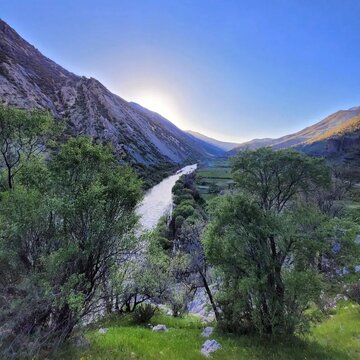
(157, 201)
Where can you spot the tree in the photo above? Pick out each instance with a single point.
(196, 271)
(61, 238)
(269, 244)
(275, 178)
(22, 134)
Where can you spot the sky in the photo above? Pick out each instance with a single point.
(233, 70)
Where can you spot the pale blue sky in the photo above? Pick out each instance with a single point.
(234, 70)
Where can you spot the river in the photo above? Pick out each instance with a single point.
(158, 200)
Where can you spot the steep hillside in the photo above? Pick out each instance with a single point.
(197, 145)
(342, 142)
(308, 135)
(28, 79)
(226, 146)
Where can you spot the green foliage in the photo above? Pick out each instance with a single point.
(64, 227)
(22, 134)
(143, 314)
(272, 248)
(276, 177)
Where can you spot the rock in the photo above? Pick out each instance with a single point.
(103, 330)
(81, 342)
(207, 331)
(200, 306)
(209, 347)
(159, 328)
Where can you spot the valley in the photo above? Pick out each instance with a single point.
(123, 236)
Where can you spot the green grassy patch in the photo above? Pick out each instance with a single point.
(218, 173)
(336, 338)
(341, 331)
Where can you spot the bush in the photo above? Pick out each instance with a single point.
(143, 313)
(353, 292)
(183, 210)
(179, 220)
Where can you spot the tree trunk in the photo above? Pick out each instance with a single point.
(209, 294)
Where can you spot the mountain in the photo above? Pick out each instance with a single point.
(301, 139)
(226, 146)
(341, 142)
(207, 149)
(28, 79)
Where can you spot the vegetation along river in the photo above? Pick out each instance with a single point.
(158, 200)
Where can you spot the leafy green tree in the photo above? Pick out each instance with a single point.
(22, 135)
(61, 237)
(270, 246)
(276, 178)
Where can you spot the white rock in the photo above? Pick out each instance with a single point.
(159, 328)
(103, 330)
(207, 331)
(209, 347)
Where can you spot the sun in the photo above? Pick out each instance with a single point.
(161, 103)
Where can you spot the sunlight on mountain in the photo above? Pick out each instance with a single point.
(161, 103)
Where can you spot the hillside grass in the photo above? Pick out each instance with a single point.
(338, 337)
(347, 127)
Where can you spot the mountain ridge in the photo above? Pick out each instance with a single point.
(224, 145)
(305, 136)
(28, 79)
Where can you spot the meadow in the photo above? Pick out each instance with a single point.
(337, 337)
(214, 177)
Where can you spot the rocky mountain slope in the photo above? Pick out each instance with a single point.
(28, 79)
(341, 142)
(301, 139)
(226, 146)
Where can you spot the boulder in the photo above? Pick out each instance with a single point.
(159, 328)
(207, 331)
(81, 342)
(103, 330)
(209, 347)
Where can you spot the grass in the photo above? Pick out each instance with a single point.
(216, 172)
(338, 338)
(342, 331)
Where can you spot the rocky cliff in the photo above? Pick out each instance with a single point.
(29, 79)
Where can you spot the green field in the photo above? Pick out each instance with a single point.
(336, 338)
(214, 177)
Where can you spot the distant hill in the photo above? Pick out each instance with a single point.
(28, 79)
(333, 125)
(341, 142)
(226, 146)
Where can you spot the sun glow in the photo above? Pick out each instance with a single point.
(160, 103)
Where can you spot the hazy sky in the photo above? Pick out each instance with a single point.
(234, 70)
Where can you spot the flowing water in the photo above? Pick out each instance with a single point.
(158, 200)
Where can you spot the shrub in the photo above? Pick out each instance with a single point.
(143, 313)
(353, 292)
